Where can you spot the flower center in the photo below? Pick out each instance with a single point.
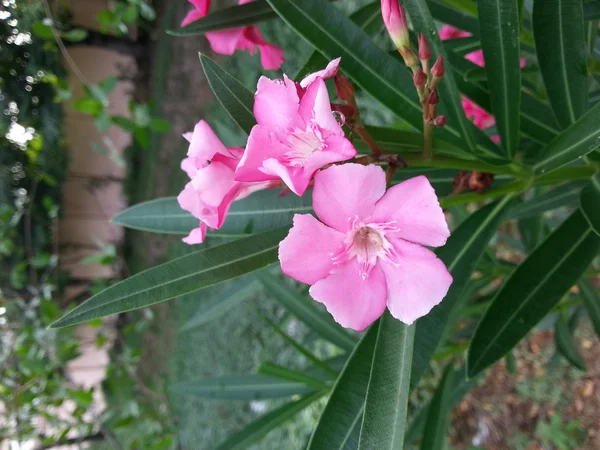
(302, 144)
(368, 243)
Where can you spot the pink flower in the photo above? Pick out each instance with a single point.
(366, 253)
(226, 42)
(294, 136)
(394, 18)
(212, 189)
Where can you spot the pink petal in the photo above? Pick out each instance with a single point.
(418, 284)
(480, 117)
(262, 145)
(189, 200)
(201, 5)
(345, 192)
(476, 57)
(297, 179)
(271, 56)
(305, 254)
(337, 149)
(276, 104)
(353, 302)
(197, 235)
(225, 42)
(449, 32)
(316, 107)
(331, 70)
(204, 143)
(416, 211)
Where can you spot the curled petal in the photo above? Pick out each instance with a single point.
(305, 254)
(197, 235)
(262, 145)
(315, 106)
(353, 301)
(331, 70)
(225, 42)
(343, 193)
(419, 283)
(414, 208)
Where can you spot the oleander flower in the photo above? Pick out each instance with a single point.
(296, 133)
(366, 253)
(226, 42)
(212, 189)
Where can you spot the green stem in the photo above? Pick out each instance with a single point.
(510, 188)
(427, 141)
(445, 162)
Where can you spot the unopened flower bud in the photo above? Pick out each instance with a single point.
(440, 121)
(394, 18)
(420, 78)
(433, 98)
(424, 53)
(438, 68)
(343, 88)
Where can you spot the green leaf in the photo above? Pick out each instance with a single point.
(303, 308)
(339, 424)
(181, 276)
(566, 194)
(283, 373)
(533, 289)
(87, 105)
(499, 31)
(271, 420)
(159, 125)
(367, 18)
(576, 141)
(561, 51)
(261, 211)
(590, 203)
(459, 19)
(383, 77)
(142, 137)
(476, 141)
(565, 345)
(237, 100)
(42, 30)
(232, 17)
(75, 35)
(241, 387)
(384, 419)
(434, 436)
(124, 123)
(591, 301)
(532, 231)
(460, 254)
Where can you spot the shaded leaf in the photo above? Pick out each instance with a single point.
(590, 203)
(237, 100)
(533, 289)
(565, 344)
(561, 52)
(283, 373)
(434, 436)
(591, 301)
(566, 194)
(180, 276)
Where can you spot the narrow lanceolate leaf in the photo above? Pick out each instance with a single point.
(271, 420)
(181, 276)
(590, 203)
(339, 425)
(475, 139)
(460, 254)
(564, 195)
(367, 18)
(283, 373)
(462, 20)
(434, 436)
(242, 387)
(576, 141)
(533, 289)
(380, 75)
(499, 32)
(591, 301)
(234, 16)
(237, 100)
(566, 345)
(384, 419)
(561, 51)
(303, 308)
(261, 211)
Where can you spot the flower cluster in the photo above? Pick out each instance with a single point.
(365, 253)
(226, 42)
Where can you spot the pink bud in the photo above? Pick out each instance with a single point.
(424, 53)
(420, 78)
(394, 18)
(440, 121)
(433, 98)
(438, 68)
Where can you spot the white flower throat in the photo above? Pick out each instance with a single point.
(367, 242)
(302, 144)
